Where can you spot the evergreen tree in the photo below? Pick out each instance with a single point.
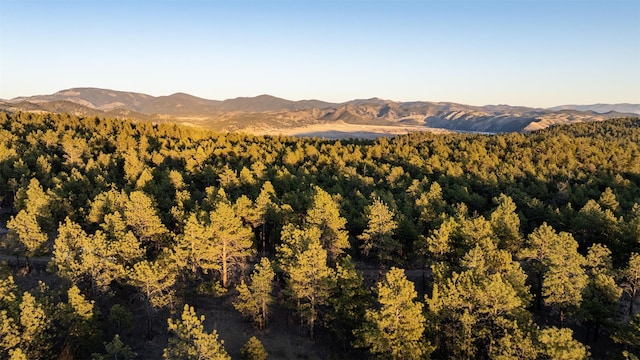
(253, 350)
(631, 276)
(348, 301)
(378, 236)
(116, 350)
(141, 215)
(439, 245)
(629, 336)
(600, 296)
(505, 224)
(195, 248)
(80, 257)
(394, 331)
(558, 343)
(254, 300)
(566, 278)
(25, 231)
(191, 341)
(325, 215)
(154, 281)
(34, 323)
(310, 282)
(232, 240)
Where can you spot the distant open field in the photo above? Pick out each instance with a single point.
(342, 130)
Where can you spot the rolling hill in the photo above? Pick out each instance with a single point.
(268, 114)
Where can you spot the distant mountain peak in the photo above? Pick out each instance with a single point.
(269, 111)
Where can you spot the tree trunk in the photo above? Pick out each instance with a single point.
(224, 266)
(148, 309)
(539, 292)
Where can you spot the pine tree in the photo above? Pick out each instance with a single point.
(378, 236)
(195, 249)
(600, 296)
(116, 350)
(154, 281)
(34, 324)
(631, 276)
(255, 300)
(310, 282)
(505, 224)
(557, 265)
(141, 215)
(566, 278)
(558, 343)
(629, 336)
(325, 215)
(294, 241)
(232, 240)
(348, 301)
(80, 257)
(191, 341)
(24, 230)
(394, 331)
(9, 333)
(439, 243)
(253, 350)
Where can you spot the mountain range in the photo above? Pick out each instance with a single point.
(267, 113)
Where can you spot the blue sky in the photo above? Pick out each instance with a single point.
(518, 52)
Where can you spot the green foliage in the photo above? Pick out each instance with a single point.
(233, 241)
(116, 350)
(190, 341)
(505, 224)
(348, 301)
(253, 350)
(629, 335)
(631, 279)
(120, 319)
(310, 282)
(378, 236)
(559, 344)
(394, 331)
(325, 215)
(254, 300)
(25, 231)
(165, 208)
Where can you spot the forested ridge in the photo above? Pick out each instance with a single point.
(529, 243)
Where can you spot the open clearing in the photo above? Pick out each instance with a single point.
(342, 130)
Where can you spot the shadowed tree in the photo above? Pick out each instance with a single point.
(631, 276)
(253, 350)
(600, 296)
(154, 281)
(255, 299)
(505, 224)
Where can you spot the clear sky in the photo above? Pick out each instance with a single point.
(518, 52)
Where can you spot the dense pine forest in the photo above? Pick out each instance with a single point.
(126, 240)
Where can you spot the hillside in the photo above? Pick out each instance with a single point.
(110, 228)
(268, 114)
(602, 108)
